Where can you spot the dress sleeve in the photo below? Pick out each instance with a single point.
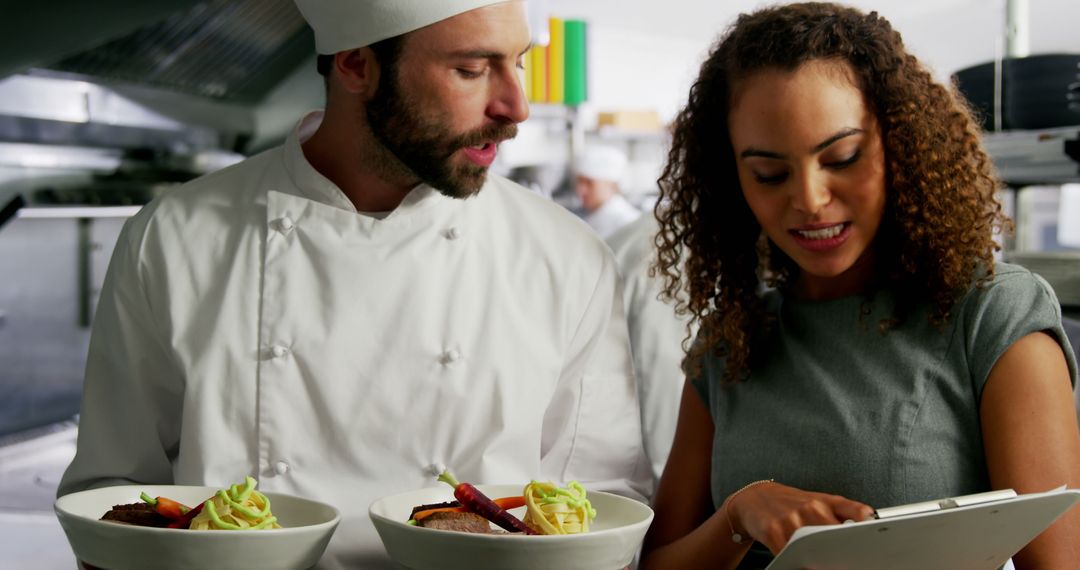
(129, 424)
(1016, 303)
(592, 426)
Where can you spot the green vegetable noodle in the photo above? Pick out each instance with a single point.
(236, 508)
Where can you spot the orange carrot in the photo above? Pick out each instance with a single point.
(505, 503)
(477, 502)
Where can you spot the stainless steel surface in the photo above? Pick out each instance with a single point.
(1034, 157)
(30, 469)
(77, 101)
(47, 31)
(43, 339)
(232, 50)
(1060, 268)
(183, 75)
(79, 212)
(1017, 28)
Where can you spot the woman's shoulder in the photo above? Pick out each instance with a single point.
(1009, 286)
(999, 310)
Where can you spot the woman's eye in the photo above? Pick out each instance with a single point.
(840, 164)
(770, 179)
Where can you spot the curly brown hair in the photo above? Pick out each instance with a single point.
(941, 212)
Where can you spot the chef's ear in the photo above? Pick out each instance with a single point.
(358, 71)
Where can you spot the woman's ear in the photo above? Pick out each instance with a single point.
(357, 71)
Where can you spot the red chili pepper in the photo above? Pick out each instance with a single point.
(471, 498)
(185, 521)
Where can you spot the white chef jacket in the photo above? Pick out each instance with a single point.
(252, 322)
(656, 335)
(613, 214)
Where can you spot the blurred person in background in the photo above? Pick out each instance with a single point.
(891, 360)
(599, 172)
(347, 315)
(656, 336)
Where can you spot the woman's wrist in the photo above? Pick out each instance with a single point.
(738, 534)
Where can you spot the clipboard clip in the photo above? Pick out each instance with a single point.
(951, 503)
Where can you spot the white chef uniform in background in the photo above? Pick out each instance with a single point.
(253, 322)
(656, 336)
(599, 173)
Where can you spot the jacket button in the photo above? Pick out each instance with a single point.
(450, 356)
(285, 224)
(452, 233)
(281, 468)
(436, 469)
(279, 351)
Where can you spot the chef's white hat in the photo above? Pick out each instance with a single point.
(342, 25)
(602, 163)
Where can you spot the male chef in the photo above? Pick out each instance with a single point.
(346, 315)
(599, 172)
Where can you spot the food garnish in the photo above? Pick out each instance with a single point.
(236, 508)
(476, 502)
(551, 509)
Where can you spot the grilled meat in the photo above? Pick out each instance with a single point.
(461, 522)
(138, 514)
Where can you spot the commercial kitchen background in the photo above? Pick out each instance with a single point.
(105, 104)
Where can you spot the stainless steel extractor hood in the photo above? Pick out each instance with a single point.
(160, 73)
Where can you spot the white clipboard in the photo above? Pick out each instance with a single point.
(973, 532)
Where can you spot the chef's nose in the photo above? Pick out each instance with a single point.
(508, 103)
(810, 193)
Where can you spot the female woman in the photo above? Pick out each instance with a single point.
(828, 220)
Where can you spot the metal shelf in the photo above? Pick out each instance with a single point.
(1045, 156)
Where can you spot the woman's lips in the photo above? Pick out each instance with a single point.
(821, 237)
(482, 155)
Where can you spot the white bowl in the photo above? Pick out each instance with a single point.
(306, 529)
(611, 543)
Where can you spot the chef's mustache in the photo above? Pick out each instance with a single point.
(492, 133)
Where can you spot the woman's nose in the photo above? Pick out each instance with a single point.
(810, 194)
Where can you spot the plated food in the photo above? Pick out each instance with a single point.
(240, 507)
(307, 527)
(613, 538)
(549, 509)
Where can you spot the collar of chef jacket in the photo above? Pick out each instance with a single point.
(317, 187)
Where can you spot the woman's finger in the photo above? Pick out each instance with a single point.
(848, 510)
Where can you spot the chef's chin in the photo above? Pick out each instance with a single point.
(465, 182)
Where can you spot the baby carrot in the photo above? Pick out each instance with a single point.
(472, 499)
(503, 502)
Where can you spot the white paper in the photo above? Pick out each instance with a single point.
(979, 536)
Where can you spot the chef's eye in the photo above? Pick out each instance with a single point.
(469, 73)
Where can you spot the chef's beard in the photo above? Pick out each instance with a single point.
(424, 146)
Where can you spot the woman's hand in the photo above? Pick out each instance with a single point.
(770, 512)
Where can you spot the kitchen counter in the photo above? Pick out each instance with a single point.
(33, 541)
(30, 470)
